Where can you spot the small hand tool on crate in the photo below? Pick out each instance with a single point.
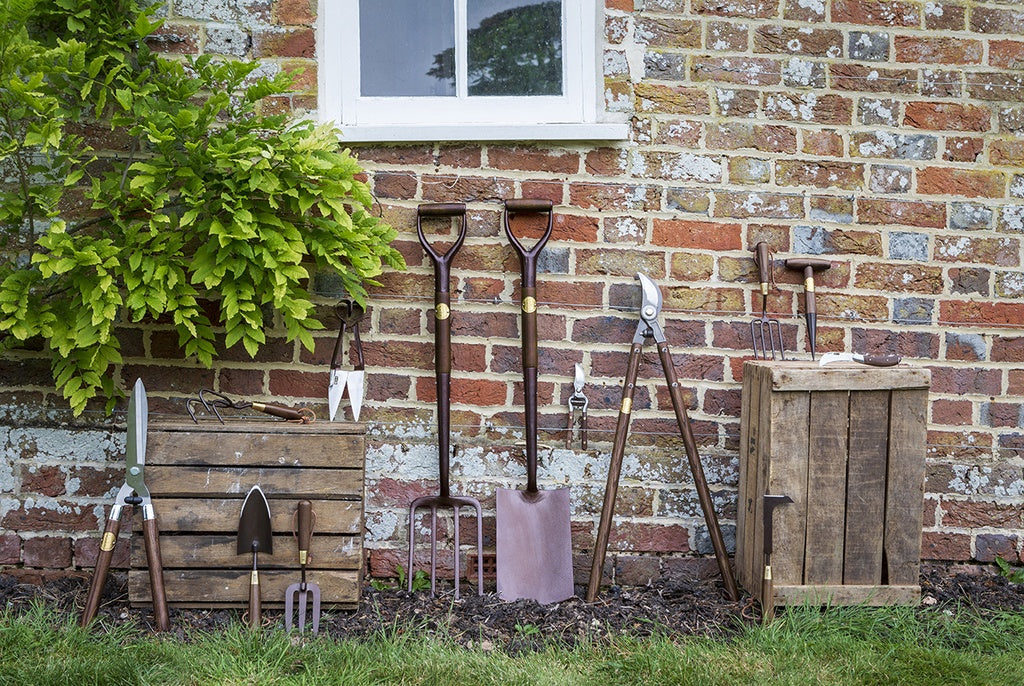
(649, 328)
(765, 333)
(303, 590)
(442, 374)
(133, 492)
(255, 536)
(809, 265)
(532, 528)
(767, 585)
(213, 402)
(350, 313)
(578, 404)
(872, 360)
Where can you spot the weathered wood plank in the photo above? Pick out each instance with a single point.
(903, 507)
(786, 453)
(808, 376)
(258, 449)
(214, 515)
(865, 494)
(230, 588)
(848, 595)
(749, 428)
(826, 487)
(262, 424)
(219, 551)
(291, 482)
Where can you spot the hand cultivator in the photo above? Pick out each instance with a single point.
(214, 402)
(442, 367)
(765, 333)
(303, 590)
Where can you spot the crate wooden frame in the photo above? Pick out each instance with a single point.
(853, 533)
(198, 475)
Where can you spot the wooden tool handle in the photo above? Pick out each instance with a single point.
(255, 610)
(604, 527)
(882, 360)
(441, 209)
(156, 570)
(99, 577)
(305, 532)
(278, 411)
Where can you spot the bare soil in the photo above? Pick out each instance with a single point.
(685, 608)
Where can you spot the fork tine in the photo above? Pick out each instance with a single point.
(288, 606)
(315, 591)
(302, 610)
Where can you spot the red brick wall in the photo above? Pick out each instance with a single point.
(883, 135)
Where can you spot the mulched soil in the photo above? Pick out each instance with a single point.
(693, 608)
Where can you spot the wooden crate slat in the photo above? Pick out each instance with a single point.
(230, 588)
(875, 596)
(865, 497)
(253, 450)
(785, 459)
(311, 483)
(749, 426)
(221, 515)
(826, 487)
(219, 551)
(809, 377)
(904, 510)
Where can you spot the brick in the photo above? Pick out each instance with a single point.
(741, 205)
(996, 86)
(841, 305)
(682, 166)
(823, 143)
(877, 12)
(763, 9)
(945, 546)
(697, 235)
(970, 280)
(1002, 415)
(10, 549)
(1011, 219)
(994, 20)
(575, 293)
(827, 109)
(1006, 54)
(748, 71)
(620, 5)
(749, 171)
(861, 78)
(1008, 349)
(912, 310)
(999, 251)
(45, 480)
(1010, 284)
(905, 343)
(982, 313)
(942, 50)
(649, 537)
(987, 547)
(910, 278)
(938, 116)
(682, 133)
(47, 552)
(964, 380)
(533, 159)
(952, 412)
(845, 175)
(1009, 152)
(737, 102)
(175, 38)
(936, 83)
(691, 266)
(663, 99)
(688, 200)
(703, 299)
(738, 135)
(968, 183)
(444, 188)
(606, 161)
(945, 16)
(908, 212)
(966, 216)
(727, 36)
(803, 41)
(613, 197)
(963, 148)
(625, 229)
(664, 66)
(667, 32)
(616, 29)
(890, 179)
(878, 112)
(965, 346)
(295, 12)
(831, 209)
(620, 262)
(1015, 382)
(869, 46)
(893, 146)
(632, 570)
(284, 42)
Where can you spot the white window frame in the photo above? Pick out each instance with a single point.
(576, 115)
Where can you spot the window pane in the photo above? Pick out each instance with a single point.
(515, 47)
(406, 47)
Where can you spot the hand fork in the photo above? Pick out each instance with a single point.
(765, 333)
(303, 589)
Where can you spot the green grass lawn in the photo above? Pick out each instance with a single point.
(802, 646)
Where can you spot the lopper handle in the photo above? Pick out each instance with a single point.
(156, 568)
(99, 578)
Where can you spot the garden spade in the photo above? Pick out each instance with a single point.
(255, 536)
(533, 534)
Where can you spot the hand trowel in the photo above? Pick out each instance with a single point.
(255, 535)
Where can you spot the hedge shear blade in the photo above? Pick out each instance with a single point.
(133, 492)
(350, 313)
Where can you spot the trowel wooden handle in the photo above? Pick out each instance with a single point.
(255, 608)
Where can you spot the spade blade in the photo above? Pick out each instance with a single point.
(254, 529)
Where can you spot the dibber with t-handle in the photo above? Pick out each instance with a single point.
(809, 265)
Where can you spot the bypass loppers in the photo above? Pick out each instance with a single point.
(578, 404)
(350, 313)
(649, 328)
(442, 373)
(133, 492)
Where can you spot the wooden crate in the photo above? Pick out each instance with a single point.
(199, 474)
(847, 443)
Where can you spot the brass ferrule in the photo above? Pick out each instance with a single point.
(303, 556)
(767, 572)
(108, 541)
(764, 289)
(148, 512)
(809, 285)
(254, 578)
(627, 406)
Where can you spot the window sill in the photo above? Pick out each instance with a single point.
(603, 131)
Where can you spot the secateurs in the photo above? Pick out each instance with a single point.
(214, 402)
(350, 313)
(649, 328)
(133, 492)
(578, 404)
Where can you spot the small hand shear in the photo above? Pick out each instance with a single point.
(577, 403)
(133, 492)
(350, 313)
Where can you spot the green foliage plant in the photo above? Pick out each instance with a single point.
(208, 212)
